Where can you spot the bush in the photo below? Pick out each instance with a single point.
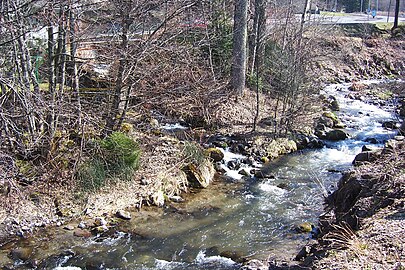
(193, 153)
(117, 158)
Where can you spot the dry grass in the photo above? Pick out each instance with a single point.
(380, 243)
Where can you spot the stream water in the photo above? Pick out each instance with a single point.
(236, 218)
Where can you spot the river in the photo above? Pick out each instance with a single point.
(233, 219)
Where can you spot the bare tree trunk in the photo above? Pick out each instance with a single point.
(51, 66)
(75, 73)
(119, 83)
(238, 76)
(396, 18)
(62, 63)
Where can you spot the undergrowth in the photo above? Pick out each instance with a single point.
(116, 158)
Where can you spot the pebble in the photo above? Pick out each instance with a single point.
(176, 199)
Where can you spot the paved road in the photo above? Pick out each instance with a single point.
(352, 18)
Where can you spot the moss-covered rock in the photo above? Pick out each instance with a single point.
(280, 146)
(200, 176)
(214, 153)
(304, 227)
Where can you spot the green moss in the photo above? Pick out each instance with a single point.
(331, 115)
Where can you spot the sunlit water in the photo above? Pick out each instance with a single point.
(251, 218)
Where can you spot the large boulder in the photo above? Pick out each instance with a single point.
(336, 135)
(200, 176)
(280, 146)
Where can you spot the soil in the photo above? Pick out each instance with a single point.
(25, 209)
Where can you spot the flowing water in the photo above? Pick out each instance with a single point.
(236, 218)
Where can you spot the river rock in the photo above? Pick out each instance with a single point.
(69, 227)
(366, 156)
(262, 174)
(215, 154)
(176, 199)
(100, 229)
(100, 221)
(255, 265)
(371, 140)
(201, 175)
(264, 159)
(399, 138)
(326, 121)
(336, 135)
(304, 227)
(371, 148)
(235, 256)
(244, 172)
(123, 214)
(23, 253)
(304, 252)
(390, 125)
(82, 233)
(333, 104)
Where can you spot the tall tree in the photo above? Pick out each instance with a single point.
(397, 5)
(238, 73)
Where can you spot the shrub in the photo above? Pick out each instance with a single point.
(117, 159)
(193, 153)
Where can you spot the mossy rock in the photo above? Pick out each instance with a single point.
(331, 115)
(280, 146)
(304, 227)
(264, 159)
(214, 153)
(201, 175)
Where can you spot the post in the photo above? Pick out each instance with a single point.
(361, 6)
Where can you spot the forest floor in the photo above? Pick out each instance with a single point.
(341, 58)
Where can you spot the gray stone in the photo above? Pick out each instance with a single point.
(244, 172)
(366, 156)
(69, 228)
(176, 199)
(123, 214)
